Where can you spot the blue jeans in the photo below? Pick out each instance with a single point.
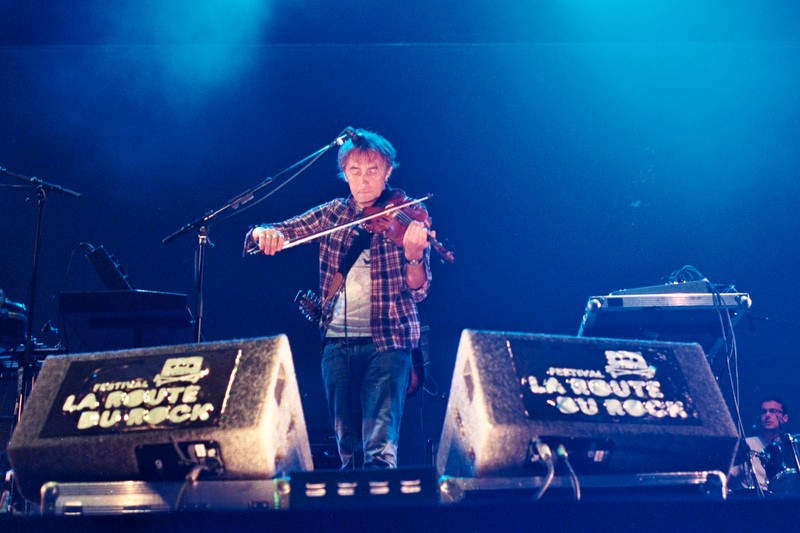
(366, 391)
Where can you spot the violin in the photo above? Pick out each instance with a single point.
(390, 217)
(386, 219)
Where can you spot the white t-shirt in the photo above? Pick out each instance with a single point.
(351, 312)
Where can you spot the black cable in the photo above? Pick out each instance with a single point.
(243, 208)
(65, 341)
(189, 481)
(731, 354)
(541, 450)
(684, 274)
(561, 452)
(69, 262)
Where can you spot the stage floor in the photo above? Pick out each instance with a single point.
(410, 499)
(610, 515)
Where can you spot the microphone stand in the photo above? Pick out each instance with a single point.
(203, 225)
(750, 478)
(25, 365)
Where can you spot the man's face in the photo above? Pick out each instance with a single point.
(772, 416)
(366, 173)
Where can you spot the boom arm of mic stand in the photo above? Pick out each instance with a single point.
(202, 224)
(41, 184)
(249, 194)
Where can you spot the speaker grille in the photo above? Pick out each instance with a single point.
(618, 406)
(232, 407)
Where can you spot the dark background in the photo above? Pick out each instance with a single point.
(572, 149)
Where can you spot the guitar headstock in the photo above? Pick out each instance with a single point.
(310, 305)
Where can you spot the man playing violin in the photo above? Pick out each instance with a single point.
(370, 287)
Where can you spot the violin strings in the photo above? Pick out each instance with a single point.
(406, 220)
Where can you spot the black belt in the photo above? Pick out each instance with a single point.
(350, 341)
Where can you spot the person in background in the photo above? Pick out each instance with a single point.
(772, 420)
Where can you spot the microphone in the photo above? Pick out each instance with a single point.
(347, 134)
(351, 133)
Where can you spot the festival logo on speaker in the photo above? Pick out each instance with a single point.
(634, 386)
(131, 394)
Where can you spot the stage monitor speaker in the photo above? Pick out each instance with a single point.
(225, 410)
(616, 406)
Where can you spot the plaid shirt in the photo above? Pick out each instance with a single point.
(394, 318)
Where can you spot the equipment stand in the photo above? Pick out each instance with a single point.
(26, 364)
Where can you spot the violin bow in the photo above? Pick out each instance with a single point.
(303, 240)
